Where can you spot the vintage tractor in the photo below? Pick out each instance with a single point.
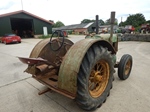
(82, 71)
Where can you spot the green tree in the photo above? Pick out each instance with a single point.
(148, 21)
(101, 22)
(122, 23)
(135, 20)
(107, 22)
(58, 24)
(87, 21)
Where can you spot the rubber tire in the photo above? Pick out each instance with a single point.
(121, 67)
(83, 97)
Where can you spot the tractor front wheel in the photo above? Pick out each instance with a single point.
(125, 66)
(94, 78)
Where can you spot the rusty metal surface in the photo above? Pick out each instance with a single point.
(64, 79)
(44, 63)
(69, 68)
(38, 48)
(44, 54)
(53, 86)
(51, 81)
(31, 61)
(43, 50)
(42, 67)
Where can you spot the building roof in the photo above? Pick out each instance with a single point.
(22, 11)
(108, 26)
(75, 26)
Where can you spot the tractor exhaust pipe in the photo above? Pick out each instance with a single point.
(97, 27)
(112, 20)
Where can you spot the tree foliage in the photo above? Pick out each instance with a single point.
(134, 20)
(148, 21)
(122, 23)
(107, 22)
(58, 24)
(101, 22)
(87, 21)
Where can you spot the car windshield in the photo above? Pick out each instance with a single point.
(10, 35)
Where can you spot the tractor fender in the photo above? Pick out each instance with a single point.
(70, 66)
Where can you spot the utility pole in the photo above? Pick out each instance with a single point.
(121, 19)
(121, 22)
(22, 4)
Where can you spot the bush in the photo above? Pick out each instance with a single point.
(70, 32)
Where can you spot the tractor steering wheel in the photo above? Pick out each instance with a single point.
(57, 40)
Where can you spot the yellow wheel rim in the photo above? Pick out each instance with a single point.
(98, 79)
(128, 67)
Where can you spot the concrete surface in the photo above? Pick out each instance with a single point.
(19, 92)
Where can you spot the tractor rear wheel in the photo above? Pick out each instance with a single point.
(125, 66)
(94, 78)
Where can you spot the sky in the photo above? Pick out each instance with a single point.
(74, 11)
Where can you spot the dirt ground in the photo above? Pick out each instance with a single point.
(19, 91)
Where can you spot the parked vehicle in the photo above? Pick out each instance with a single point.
(129, 28)
(145, 28)
(10, 38)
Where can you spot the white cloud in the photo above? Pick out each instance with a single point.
(74, 11)
(7, 6)
(4, 6)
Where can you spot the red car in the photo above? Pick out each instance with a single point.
(10, 38)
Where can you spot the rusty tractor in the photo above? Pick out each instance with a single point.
(82, 71)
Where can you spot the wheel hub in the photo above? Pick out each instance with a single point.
(98, 79)
(127, 67)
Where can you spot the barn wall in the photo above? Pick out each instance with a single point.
(80, 31)
(5, 25)
(38, 26)
(90, 28)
